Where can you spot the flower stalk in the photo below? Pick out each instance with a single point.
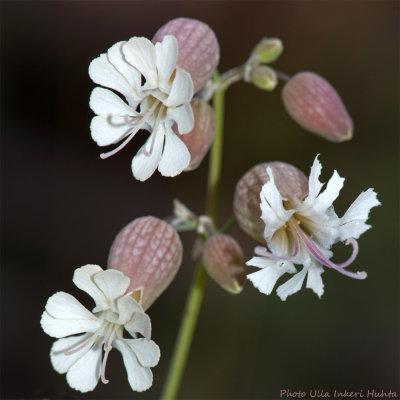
(196, 291)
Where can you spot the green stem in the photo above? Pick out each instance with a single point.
(196, 291)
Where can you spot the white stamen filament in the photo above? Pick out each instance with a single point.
(136, 127)
(154, 134)
(107, 348)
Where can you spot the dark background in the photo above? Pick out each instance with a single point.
(62, 205)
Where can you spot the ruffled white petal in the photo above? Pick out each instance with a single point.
(64, 315)
(181, 90)
(108, 130)
(167, 55)
(141, 54)
(329, 195)
(282, 243)
(352, 224)
(143, 166)
(112, 283)
(62, 362)
(105, 102)
(265, 279)
(273, 213)
(126, 306)
(85, 373)
(140, 378)
(175, 157)
(131, 74)
(183, 116)
(293, 285)
(314, 280)
(83, 279)
(102, 72)
(141, 324)
(147, 352)
(314, 185)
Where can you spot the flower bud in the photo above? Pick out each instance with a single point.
(149, 252)
(264, 77)
(289, 180)
(224, 262)
(268, 50)
(199, 139)
(198, 49)
(314, 104)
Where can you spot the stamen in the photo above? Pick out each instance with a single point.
(136, 127)
(107, 348)
(155, 130)
(262, 251)
(316, 253)
(90, 341)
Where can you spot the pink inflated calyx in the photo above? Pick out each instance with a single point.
(290, 181)
(223, 260)
(314, 104)
(198, 49)
(149, 252)
(199, 139)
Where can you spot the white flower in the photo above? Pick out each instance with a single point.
(81, 356)
(302, 232)
(158, 95)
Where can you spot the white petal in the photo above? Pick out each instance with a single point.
(140, 53)
(85, 373)
(329, 195)
(265, 279)
(83, 279)
(131, 74)
(112, 283)
(314, 280)
(140, 378)
(352, 224)
(293, 285)
(105, 102)
(181, 90)
(183, 116)
(65, 316)
(147, 352)
(314, 185)
(167, 55)
(126, 306)
(102, 72)
(63, 362)
(140, 323)
(175, 157)
(144, 166)
(273, 213)
(106, 130)
(282, 243)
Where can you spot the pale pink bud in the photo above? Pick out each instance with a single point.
(198, 49)
(313, 103)
(289, 180)
(149, 252)
(199, 139)
(223, 260)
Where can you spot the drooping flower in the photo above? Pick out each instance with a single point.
(82, 334)
(303, 231)
(156, 104)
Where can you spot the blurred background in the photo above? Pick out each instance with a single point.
(62, 205)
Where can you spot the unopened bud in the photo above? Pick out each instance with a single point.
(149, 252)
(313, 103)
(199, 139)
(224, 262)
(198, 49)
(268, 50)
(264, 77)
(289, 180)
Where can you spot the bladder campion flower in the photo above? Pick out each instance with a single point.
(303, 231)
(80, 357)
